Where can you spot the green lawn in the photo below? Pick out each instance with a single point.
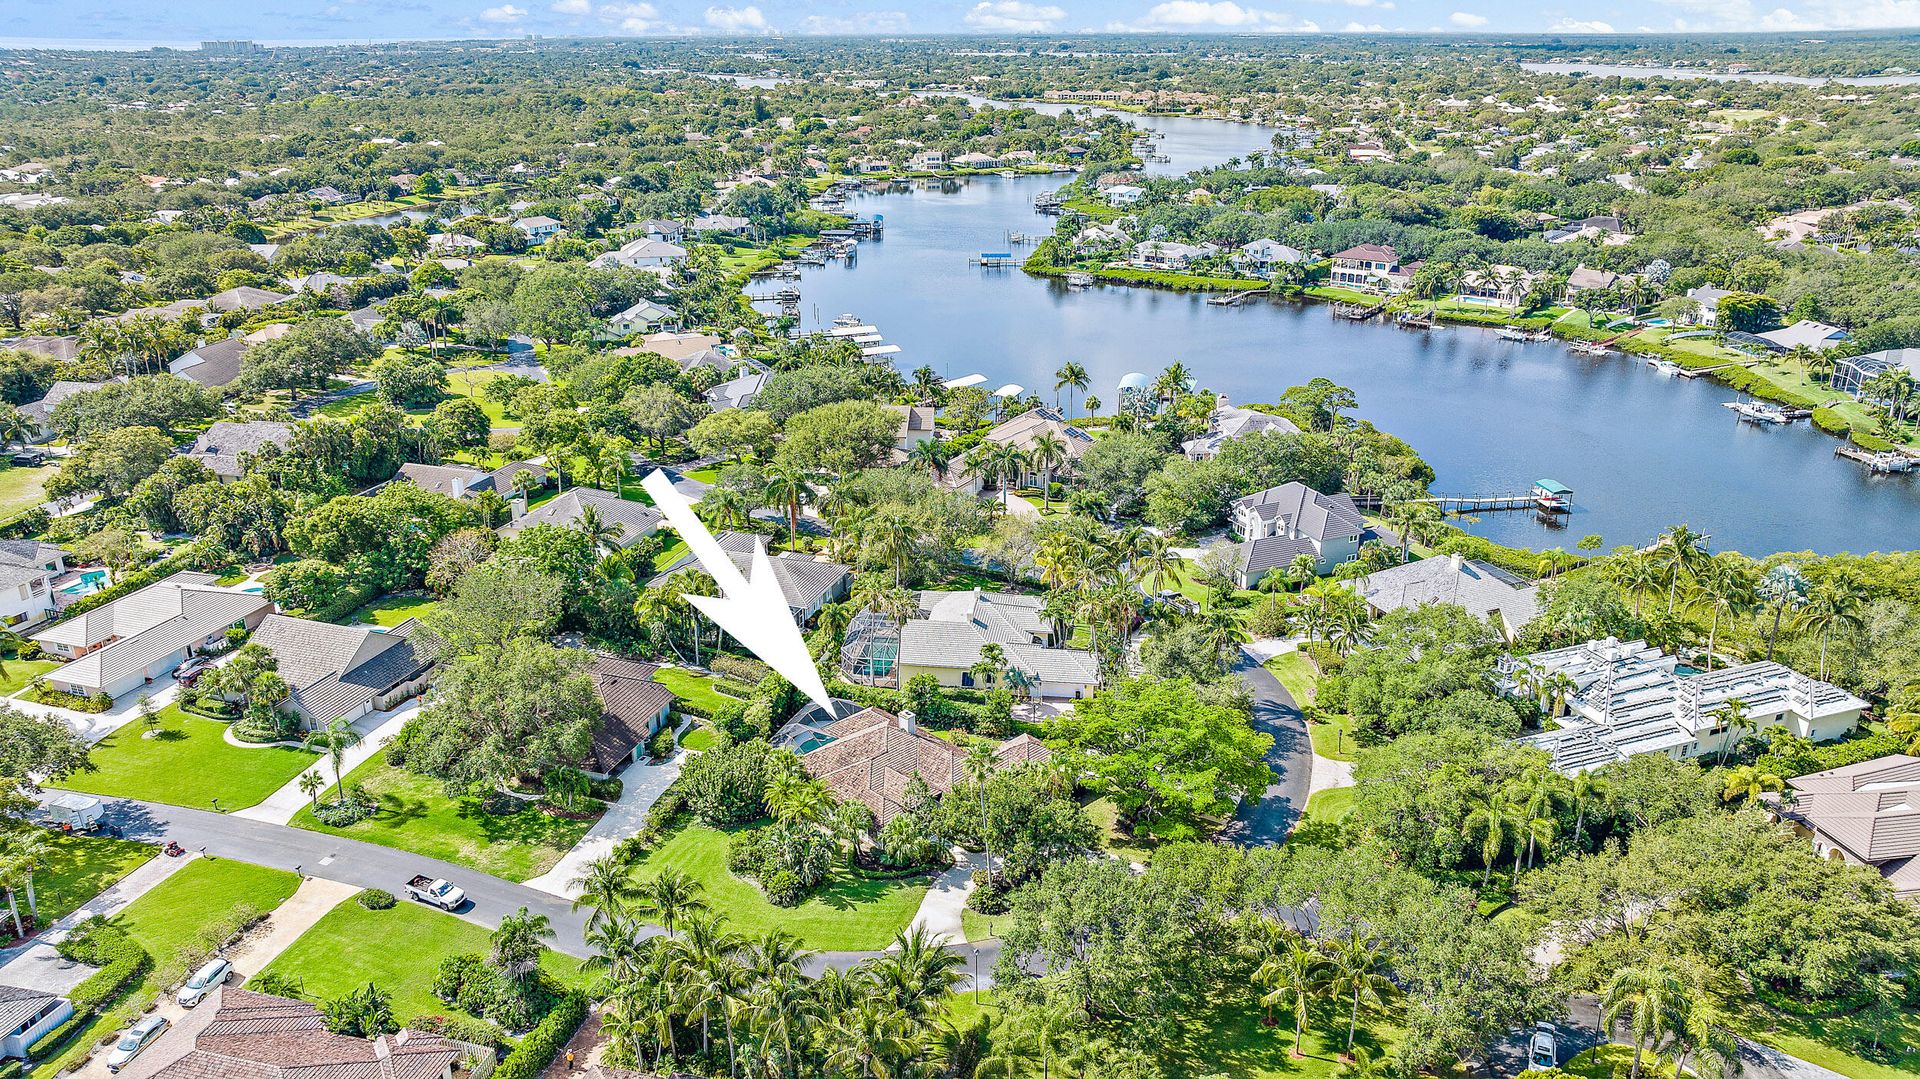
(1297, 673)
(1330, 806)
(179, 923)
(698, 737)
(692, 687)
(1825, 1041)
(416, 815)
(23, 487)
(979, 926)
(189, 763)
(471, 384)
(390, 611)
(849, 914)
(1114, 839)
(1615, 1062)
(1333, 738)
(398, 949)
(81, 867)
(22, 671)
(672, 554)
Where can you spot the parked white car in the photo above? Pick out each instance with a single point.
(138, 1037)
(216, 972)
(1543, 1051)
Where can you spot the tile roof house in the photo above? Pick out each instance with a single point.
(807, 582)
(634, 708)
(344, 672)
(41, 411)
(1167, 255)
(1631, 698)
(28, 569)
(1281, 523)
(214, 365)
(256, 1036)
(1265, 255)
(1024, 431)
(139, 638)
(636, 521)
(1228, 422)
(1482, 588)
(675, 346)
(26, 1015)
(224, 446)
(1863, 814)
(1372, 267)
(872, 757)
(917, 425)
(53, 348)
(460, 481)
(736, 393)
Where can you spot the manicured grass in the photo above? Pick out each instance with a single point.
(398, 949)
(849, 913)
(23, 487)
(709, 474)
(1333, 738)
(1114, 839)
(471, 384)
(22, 671)
(700, 737)
(692, 687)
(190, 763)
(416, 815)
(979, 926)
(671, 555)
(79, 868)
(390, 611)
(179, 923)
(1615, 1062)
(1827, 1042)
(1330, 806)
(1297, 673)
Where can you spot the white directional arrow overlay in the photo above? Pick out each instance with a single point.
(755, 611)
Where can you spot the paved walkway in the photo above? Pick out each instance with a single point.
(939, 912)
(376, 729)
(641, 785)
(36, 965)
(94, 726)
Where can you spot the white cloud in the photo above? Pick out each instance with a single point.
(1016, 16)
(861, 22)
(741, 20)
(1362, 28)
(635, 18)
(1467, 19)
(504, 13)
(1809, 15)
(573, 7)
(1218, 14)
(1580, 26)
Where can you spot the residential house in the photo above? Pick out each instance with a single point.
(873, 756)
(1266, 256)
(633, 708)
(1628, 698)
(29, 570)
(636, 521)
(976, 160)
(63, 348)
(460, 481)
(667, 231)
(1023, 431)
(1605, 230)
(1371, 267)
(214, 365)
(225, 446)
(1099, 236)
(1504, 285)
(1708, 300)
(1281, 523)
(917, 425)
(538, 229)
(643, 317)
(1806, 332)
(1227, 422)
(322, 283)
(1863, 814)
(41, 411)
(328, 195)
(454, 243)
(643, 253)
(26, 1015)
(1586, 279)
(255, 1036)
(738, 392)
(345, 672)
(1852, 373)
(241, 298)
(1482, 588)
(676, 346)
(949, 630)
(727, 223)
(137, 639)
(927, 161)
(1123, 194)
(1166, 255)
(808, 582)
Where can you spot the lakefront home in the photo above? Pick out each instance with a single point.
(1371, 267)
(1282, 523)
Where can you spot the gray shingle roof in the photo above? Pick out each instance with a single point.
(212, 365)
(42, 410)
(220, 447)
(337, 670)
(636, 521)
(21, 1006)
(1260, 556)
(462, 481)
(1481, 588)
(159, 619)
(630, 700)
(804, 581)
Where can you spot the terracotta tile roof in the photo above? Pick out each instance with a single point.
(256, 1036)
(873, 756)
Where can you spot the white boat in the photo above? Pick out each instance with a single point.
(1666, 368)
(1589, 348)
(1540, 335)
(846, 320)
(1079, 279)
(1759, 412)
(1508, 333)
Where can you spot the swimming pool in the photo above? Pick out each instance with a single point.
(92, 580)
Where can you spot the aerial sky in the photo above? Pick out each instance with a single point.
(142, 22)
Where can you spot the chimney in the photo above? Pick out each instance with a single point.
(459, 486)
(908, 723)
(1458, 561)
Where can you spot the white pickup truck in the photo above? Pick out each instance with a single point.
(438, 893)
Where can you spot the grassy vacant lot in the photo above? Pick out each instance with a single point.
(189, 763)
(390, 611)
(179, 923)
(22, 671)
(690, 686)
(1228, 1038)
(81, 867)
(849, 914)
(470, 384)
(397, 949)
(416, 815)
(23, 487)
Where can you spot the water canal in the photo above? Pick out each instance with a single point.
(1641, 452)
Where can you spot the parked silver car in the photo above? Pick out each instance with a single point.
(1543, 1051)
(216, 972)
(138, 1037)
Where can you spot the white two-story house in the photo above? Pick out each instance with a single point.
(27, 572)
(1281, 523)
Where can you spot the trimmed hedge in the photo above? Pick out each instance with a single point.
(122, 961)
(1831, 422)
(545, 1040)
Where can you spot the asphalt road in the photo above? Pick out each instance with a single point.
(1580, 1029)
(1267, 821)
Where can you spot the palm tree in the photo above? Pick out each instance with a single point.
(335, 740)
(603, 536)
(1294, 979)
(926, 384)
(1070, 377)
(1731, 589)
(1173, 381)
(1748, 783)
(1782, 587)
(933, 455)
(1653, 999)
(1839, 602)
(1357, 973)
(1007, 462)
(1303, 569)
(1093, 405)
(515, 949)
(1536, 799)
(1490, 817)
(671, 897)
(1586, 789)
(1154, 559)
(1732, 714)
(607, 886)
(311, 784)
(1636, 573)
(724, 507)
(916, 973)
(787, 488)
(1680, 551)
(1048, 453)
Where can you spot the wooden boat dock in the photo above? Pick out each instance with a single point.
(1236, 298)
(1883, 461)
(1354, 312)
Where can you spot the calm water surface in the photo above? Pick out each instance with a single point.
(1641, 452)
(1634, 71)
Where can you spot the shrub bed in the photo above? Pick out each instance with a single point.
(122, 962)
(375, 899)
(545, 1040)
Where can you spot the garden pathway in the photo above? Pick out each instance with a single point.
(36, 965)
(94, 726)
(375, 729)
(641, 785)
(939, 912)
